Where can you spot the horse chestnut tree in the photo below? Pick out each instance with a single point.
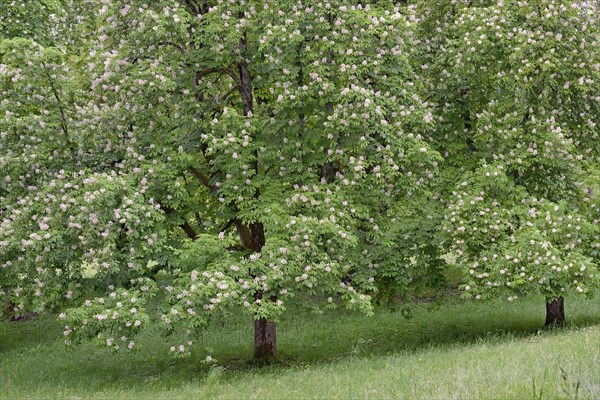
(515, 88)
(253, 150)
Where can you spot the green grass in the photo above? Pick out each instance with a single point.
(458, 350)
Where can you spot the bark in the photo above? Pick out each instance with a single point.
(265, 346)
(258, 236)
(10, 313)
(245, 86)
(201, 177)
(555, 312)
(253, 234)
(187, 228)
(189, 231)
(63, 122)
(327, 172)
(245, 234)
(468, 123)
(9, 310)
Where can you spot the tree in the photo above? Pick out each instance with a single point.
(515, 91)
(41, 107)
(253, 150)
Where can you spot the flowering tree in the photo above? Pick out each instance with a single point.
(253, 150)
(516, 91)
(36, 140)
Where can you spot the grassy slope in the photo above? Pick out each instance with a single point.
(461, 350)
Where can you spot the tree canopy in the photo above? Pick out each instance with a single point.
(254, 151)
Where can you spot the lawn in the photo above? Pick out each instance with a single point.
(458, 350)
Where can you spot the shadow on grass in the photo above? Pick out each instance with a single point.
(33, 351)
(387, 333)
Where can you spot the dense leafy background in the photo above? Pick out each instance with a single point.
(211, 155)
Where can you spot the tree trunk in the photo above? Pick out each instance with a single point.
(555, 312)
(265, 347)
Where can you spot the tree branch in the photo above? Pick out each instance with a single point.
(63, 122)
(187, 228)
(189, 231)
(177, 46)
(227, 225)
(201, 177)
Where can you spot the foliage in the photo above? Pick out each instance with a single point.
(514, 87)
(509, 241)
(253, 150)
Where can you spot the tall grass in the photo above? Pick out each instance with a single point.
(457, 350)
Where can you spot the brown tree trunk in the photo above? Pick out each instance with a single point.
(253, 235)
(265, 346)
(555, 312)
